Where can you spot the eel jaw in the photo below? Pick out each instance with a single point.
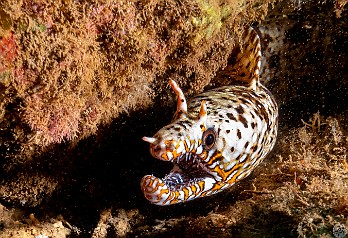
(189, 179)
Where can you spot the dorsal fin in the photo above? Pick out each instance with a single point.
(246, 62)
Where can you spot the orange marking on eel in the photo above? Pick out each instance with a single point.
(164, 156)
(175, 198)
(224, 174)
(234, 178)
(151, 183)
(162, 191)
(171, 195)
(212, 159)
(168, 142)
(218, 186)
(199, 142)
(153, 189)
(177, 146)
(193, 189)
(201, 185)
(205, 155)
(175, 154)
(186, 193)
(159, 183)
(192, 142)
(186, 147)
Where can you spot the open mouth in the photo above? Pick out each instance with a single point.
(188, 179)
(188, 170)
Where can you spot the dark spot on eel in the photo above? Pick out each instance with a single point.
(240, 109)
(246, 144)
(239, 134)
(243, 120)
(230, 115)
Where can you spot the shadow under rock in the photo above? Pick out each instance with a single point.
(104, 171)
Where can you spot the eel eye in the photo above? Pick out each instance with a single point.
(209, 137)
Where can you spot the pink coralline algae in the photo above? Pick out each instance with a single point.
(8, 51)
(51, 121)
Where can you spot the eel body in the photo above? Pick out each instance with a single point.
(217, 137)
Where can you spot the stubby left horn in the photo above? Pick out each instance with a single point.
(151, 140)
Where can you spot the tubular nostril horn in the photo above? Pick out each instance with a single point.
(151, 140)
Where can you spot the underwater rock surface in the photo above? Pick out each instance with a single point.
(81, 83)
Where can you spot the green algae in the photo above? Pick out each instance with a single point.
(211, 20)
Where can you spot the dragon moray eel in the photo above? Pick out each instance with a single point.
(217, 137)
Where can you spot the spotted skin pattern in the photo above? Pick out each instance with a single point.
(217, 137)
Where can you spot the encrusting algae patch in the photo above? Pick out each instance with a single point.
(79, 65)
(82, 82)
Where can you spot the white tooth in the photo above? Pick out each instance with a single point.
(208, 183)
(170, 156)
(199, 150)
(181, 147)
